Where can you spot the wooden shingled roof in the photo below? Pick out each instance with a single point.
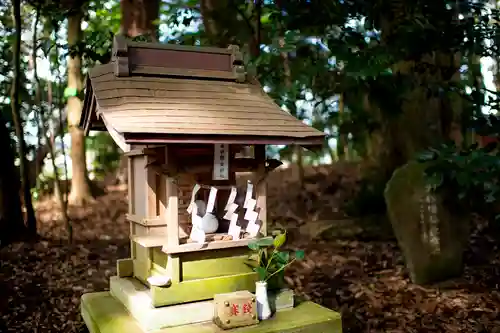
(161, 93)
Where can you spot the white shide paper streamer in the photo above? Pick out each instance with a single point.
(232, 197)
(249, 193)
(190, 208)
(211, 200)
(250, 214)
(234, 229)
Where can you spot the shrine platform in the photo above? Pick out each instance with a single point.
(103, 313)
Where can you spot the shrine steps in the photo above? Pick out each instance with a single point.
(127, 308)
(136, 298)
(103, 313)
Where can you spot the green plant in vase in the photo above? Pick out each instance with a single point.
(268, 261)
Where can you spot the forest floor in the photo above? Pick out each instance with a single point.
(355, 267)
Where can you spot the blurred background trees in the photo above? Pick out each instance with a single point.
(387, 81)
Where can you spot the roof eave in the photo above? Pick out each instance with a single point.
(149, 138)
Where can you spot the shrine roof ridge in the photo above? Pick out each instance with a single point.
(154, 93)
(156, 59)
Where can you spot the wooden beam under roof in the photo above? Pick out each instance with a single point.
(145, 138)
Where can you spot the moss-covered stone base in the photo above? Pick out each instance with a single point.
(103, 313)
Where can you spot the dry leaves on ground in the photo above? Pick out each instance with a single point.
(41, 283)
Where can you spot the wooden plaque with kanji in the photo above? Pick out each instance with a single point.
(235, 310)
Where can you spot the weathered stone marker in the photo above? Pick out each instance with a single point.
(431, 235)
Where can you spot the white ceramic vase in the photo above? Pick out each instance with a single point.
(263, 308)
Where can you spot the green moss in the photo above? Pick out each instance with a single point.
(104, 314)
(202, 289)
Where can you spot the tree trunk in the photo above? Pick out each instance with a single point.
(288, 84)
(18, 123)
(80, 189)
(35, 166)
(42, 126)
(138, 18)
(59, 194)
(428, 119)
(62, 117)
(12, 227)
(222, 24)
(342, 145)
(215, 29)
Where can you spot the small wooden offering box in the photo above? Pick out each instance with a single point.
(235, 309)
(189, 119)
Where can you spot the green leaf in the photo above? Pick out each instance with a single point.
(253, 246)
(435, 180)
(283, 257)
(264, 19)
(264, 242)
(279, 240)
(261, 272)
(299, 255)
(426, 156)
(70, 92)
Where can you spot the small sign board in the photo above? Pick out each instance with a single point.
(235, 310)
(221, 162)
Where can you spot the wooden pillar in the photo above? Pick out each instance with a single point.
(172, 213)
(151, 188)
(131, 201)
(261, 188)
(172, 217)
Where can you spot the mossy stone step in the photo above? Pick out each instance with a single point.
(103, 313)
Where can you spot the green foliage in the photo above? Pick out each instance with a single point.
(267, 259)
(107, 154)
(469, 177)
(70, 92)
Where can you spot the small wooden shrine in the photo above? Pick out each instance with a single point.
(189, 119)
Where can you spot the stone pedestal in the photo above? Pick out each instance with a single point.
(127, 309)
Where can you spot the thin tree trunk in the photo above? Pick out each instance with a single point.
(38, 102)
(342, 146)
(80, 189)
(57, 180)
(38, 167)
(496, 67)
(288, 84)
(35, 166)
(61, 117)
(333, 154)
(18, 123)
